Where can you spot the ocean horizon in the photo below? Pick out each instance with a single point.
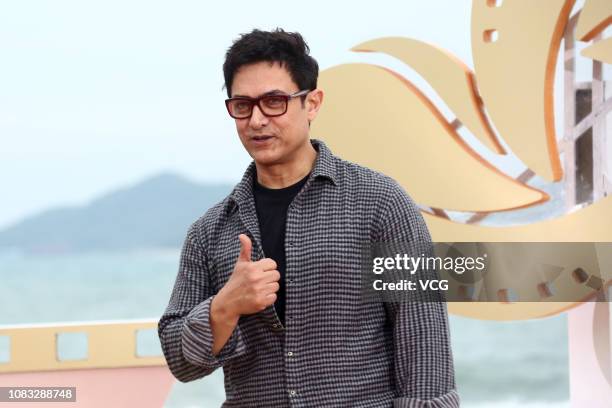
(498, 364)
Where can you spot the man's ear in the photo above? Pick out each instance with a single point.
(313, 103)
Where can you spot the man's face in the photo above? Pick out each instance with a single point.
(273, 140)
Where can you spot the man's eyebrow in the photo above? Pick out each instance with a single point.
(272, 92)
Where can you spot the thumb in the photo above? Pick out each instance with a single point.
(245, 248)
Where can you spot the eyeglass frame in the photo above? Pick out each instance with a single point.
(256, 101)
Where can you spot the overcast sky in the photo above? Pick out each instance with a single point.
(96, 95)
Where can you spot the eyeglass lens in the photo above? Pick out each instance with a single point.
(271, 105)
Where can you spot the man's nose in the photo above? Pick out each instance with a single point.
(258, 119)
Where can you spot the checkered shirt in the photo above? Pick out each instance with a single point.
(335, 350)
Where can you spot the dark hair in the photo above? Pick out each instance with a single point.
(288, 49)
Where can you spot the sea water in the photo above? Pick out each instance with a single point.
(498, 364)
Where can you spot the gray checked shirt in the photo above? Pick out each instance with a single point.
(335, 350)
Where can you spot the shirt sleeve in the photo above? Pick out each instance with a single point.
(184, 328)
(423, 362)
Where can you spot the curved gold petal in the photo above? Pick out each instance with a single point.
(595, 16)
(515, 48)
(378, 119)
(600, 51)
(591, 224)
(449, 77)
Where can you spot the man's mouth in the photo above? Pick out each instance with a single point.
(261, 138)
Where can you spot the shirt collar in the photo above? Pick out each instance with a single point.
(325, 167)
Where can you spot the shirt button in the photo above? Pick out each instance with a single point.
(290, 243)
(290, 353)
(292, 393)
(276, 326)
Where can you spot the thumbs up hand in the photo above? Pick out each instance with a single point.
(252, 286)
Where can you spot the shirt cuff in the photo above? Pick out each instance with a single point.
(197, 339)
(448, 400)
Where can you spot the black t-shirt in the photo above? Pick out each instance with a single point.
(271, 206)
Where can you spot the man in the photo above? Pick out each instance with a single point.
(269, 281)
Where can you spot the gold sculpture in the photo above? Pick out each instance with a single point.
(378, 118)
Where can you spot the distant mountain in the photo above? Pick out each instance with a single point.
(154, 213)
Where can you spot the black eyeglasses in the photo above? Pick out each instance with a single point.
(270, 105)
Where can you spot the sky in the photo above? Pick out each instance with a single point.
(97, 95)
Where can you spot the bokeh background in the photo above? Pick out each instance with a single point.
(114, 137)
